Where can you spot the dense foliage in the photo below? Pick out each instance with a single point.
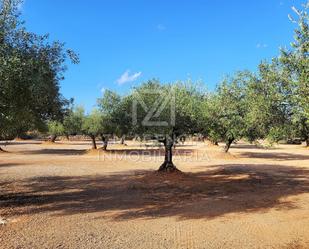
(31, 68)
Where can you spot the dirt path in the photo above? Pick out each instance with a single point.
(57, 196)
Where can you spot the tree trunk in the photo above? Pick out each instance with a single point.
(122, 140)
(168, 165)
(183, 140)
(53, 138)
(305, 131)
(228, 144)
(67, 137)
(5, 144)
(94, 145)
(215, 143)
(105, 142)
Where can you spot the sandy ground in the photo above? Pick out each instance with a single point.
(58, 196)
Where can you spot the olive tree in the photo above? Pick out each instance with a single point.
(268, 114)
(165, 112)
(278, 98)
(55, 129)
(295, 63)
(223, 112)
(110, 116)
(31, 68)
(92, 126)
(73, 121)
(71, 124)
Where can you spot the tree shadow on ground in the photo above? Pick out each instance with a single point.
(145, 194)
(30, 142)
(124, 151)
(6, 165)
(274, 156)
(251, 146)
(68, 152)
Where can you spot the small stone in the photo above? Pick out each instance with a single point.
(2, 221)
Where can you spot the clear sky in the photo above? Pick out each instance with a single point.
(122, 43)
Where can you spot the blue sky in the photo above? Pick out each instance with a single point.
(122, 43)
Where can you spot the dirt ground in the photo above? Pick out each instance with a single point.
(58, 196)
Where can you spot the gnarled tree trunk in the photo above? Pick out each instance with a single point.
(53, 138)
(105, 142)
(228, 144)
(5, 144)
(168, 165)
(94, 144)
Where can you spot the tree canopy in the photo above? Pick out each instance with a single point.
(31, 68)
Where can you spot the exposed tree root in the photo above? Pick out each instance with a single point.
(2, 150)
(168, 167)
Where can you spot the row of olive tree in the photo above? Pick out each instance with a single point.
(104, 122)
(272, 103)
(115, 116)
